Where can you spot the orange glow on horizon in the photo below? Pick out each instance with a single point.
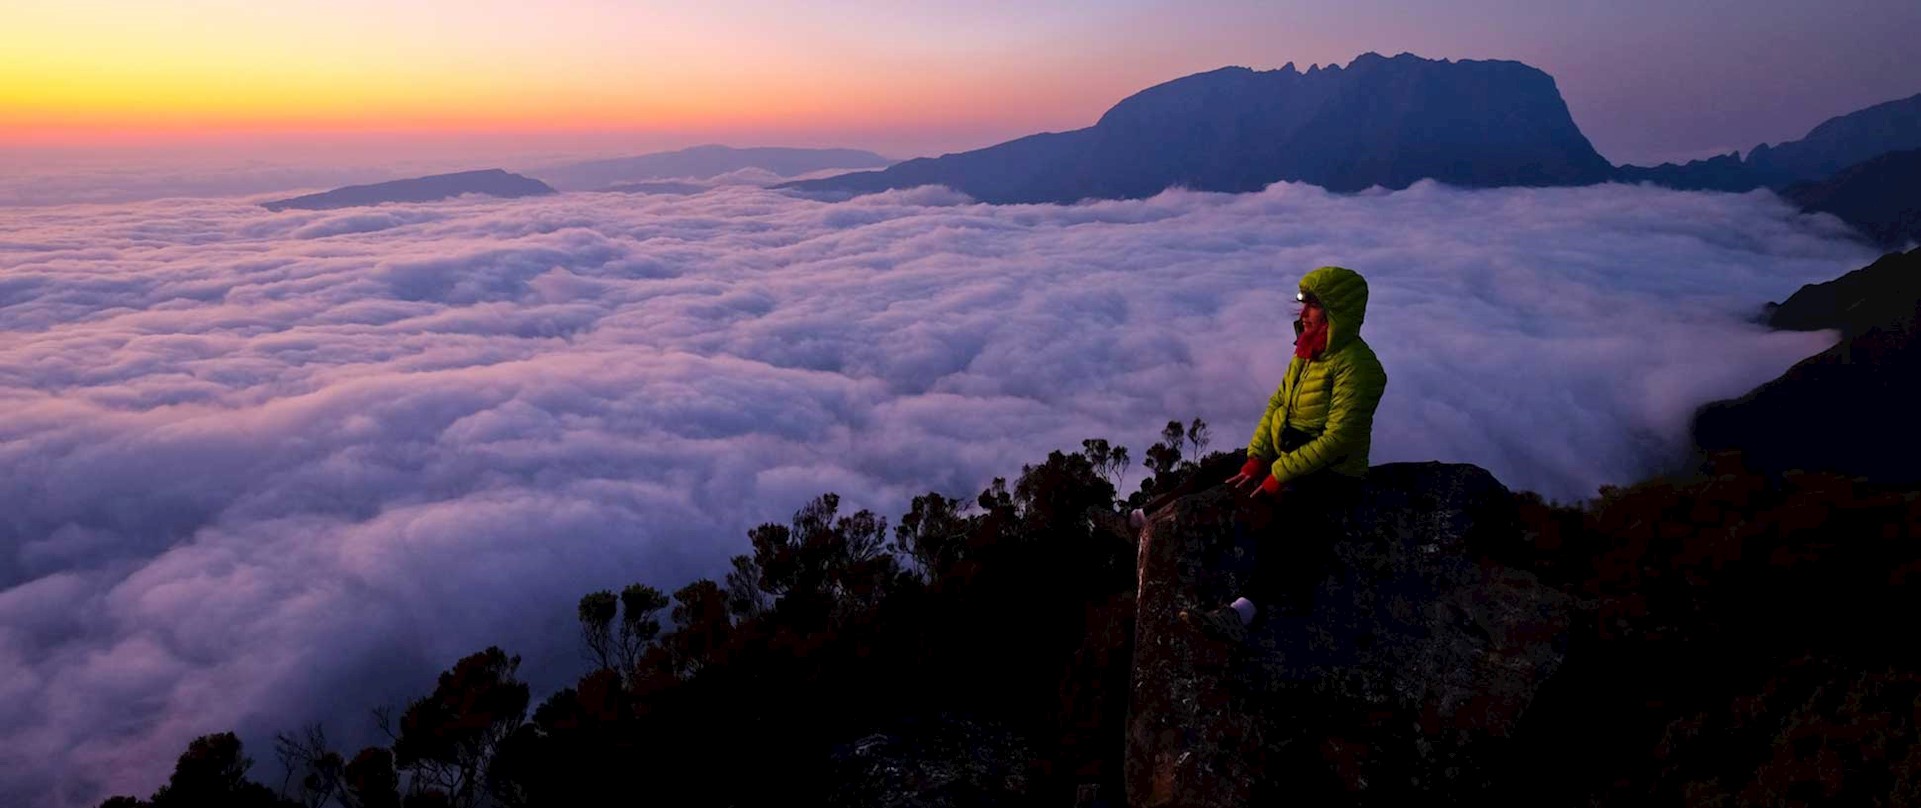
(110, 72)
(118, 73)
(166, 115)
(162, 108)
(297, 104)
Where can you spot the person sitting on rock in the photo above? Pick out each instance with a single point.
(1309, 453)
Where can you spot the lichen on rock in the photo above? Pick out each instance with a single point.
(1413, 665)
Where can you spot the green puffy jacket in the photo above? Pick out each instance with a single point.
(1331, 398)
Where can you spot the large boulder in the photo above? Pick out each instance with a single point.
(1400, 684)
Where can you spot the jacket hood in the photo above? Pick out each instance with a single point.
(1343, 293)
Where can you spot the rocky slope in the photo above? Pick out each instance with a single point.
(1879, 197)
(1837, 143)
(1849, 409)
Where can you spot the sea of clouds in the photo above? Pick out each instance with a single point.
(259, 468)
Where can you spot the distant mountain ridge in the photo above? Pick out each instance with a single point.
(702, 162)
(1379, 121)
(1835, 144)
(491, 182)
(1878, 196)
(1850, 408)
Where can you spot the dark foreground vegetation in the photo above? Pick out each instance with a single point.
(1742, 639)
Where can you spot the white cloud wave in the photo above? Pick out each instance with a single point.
(263, 468)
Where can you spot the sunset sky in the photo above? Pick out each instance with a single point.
(1645, 81)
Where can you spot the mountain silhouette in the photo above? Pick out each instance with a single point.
(491, 182)
(1379, 121)
(1876, 196)
(659, 187)
(1837, 143)
(1850, 408)
(701, 162)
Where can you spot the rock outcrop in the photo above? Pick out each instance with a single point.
(1414, 664)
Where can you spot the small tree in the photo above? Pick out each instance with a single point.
(999, 520)
(862, 572)
(640, 607)
(1098, 452)
(933, 534)
(370, 780)
(1120, 461)
(1055, 495)
(212, 773)
(597, 613)
(446, 740)
(1198, 437)
(1175, 436)
(314, 773)
(1162, 459)
(777, 558)
(822, 562)
(745, 600)
(702, 626)
(619, 645)
(1165, 460)
(1110, 461)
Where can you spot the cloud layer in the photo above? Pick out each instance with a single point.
(260, 468)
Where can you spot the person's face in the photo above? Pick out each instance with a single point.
(1312, 313)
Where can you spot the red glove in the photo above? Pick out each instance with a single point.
(1271, 486)
(1254, 468)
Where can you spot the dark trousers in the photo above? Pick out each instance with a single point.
(1286, 539)
(1291, 538)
